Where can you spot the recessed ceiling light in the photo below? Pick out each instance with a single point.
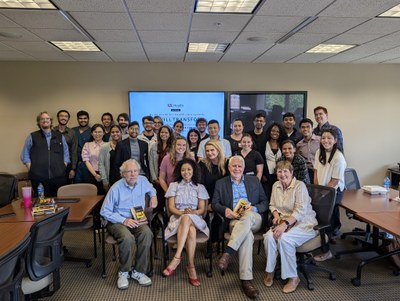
(207, 47)
(256, 39)
(226, 6)
(329, 48)
(11, 35)
(27, 4)
(394, 12)
(75, 46)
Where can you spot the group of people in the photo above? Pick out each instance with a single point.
(266, 168)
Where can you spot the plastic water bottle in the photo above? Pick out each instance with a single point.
(40, 191)
(386, 183)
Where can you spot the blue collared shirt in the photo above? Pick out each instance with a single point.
(26, 156)
(239, 192)
(121, 198)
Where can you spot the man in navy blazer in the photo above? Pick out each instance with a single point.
(123, 152)
(228, 191)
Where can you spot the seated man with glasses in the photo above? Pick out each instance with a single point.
(129, 192)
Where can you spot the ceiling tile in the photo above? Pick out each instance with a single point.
(6, 23)
(219, 22)
(25, 35)
(59, 34)
(120, 46)
(212, 36)
(245, 52)
(377, 26)
(357, 8)
(99, 20)
(38, 18)
(160, 36)
(91, 5)
(308, 38)
(305, 58)
(348, 38)
(4, 47)
(14, 56)
(332, 25)
(161, 21)
(387, 55)
(84, 56)
(30, 46)
(115, 35)
(265, 36)
(303, 8)
(166, 48)
(127, 57)
(274, 24)
(281, 53)
(164, 6)
(202, 57)
(51, 56)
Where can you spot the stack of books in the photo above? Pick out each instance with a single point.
(46, 206)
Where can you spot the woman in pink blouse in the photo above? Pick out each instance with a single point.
(90, 155)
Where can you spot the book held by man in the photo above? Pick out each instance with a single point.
(139, 215)
(241, 207)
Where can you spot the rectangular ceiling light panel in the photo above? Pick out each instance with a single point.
(226, 6)
(27, 4)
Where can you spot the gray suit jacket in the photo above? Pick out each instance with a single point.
(223, 195)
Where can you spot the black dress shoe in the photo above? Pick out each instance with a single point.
(249, 289)
(224, 261)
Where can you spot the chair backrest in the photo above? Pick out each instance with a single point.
(45, 252)
(12, 268)
(351, 180)
(79, 189)
(7, 188)
(322, 201)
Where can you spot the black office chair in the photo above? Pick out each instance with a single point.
(45, 256)
(8, 183)
(322, 201)
(352, 183)
(12, 269)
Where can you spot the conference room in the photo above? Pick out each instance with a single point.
(144, 47)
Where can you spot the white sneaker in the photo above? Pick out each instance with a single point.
(141, 278)
(123, 280)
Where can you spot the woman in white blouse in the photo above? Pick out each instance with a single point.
(293, 223)
(186, 204)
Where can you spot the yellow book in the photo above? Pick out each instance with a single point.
(241, 207)
(139, 215)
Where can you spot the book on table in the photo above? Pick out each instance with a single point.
(241, 207)
(139, 215)
(44, 206)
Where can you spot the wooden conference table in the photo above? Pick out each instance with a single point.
(13, 228)
(11, 234)
(380, 211)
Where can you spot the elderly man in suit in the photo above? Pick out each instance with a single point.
(228, 191)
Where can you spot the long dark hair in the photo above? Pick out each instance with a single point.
(195, 167)
(198, 137)
(322, 151)
(169, 141)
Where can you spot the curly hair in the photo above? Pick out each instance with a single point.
(196, 170)
(282, 133)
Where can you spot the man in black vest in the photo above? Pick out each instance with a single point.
(46, 156)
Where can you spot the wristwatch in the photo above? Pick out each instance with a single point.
(287, 224)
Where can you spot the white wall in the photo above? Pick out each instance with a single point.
(362, 99)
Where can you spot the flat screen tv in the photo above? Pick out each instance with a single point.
(246, 105)
(173, 106)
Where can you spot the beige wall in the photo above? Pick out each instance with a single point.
(363, 100)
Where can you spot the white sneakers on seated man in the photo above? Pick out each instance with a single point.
(141, 278)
